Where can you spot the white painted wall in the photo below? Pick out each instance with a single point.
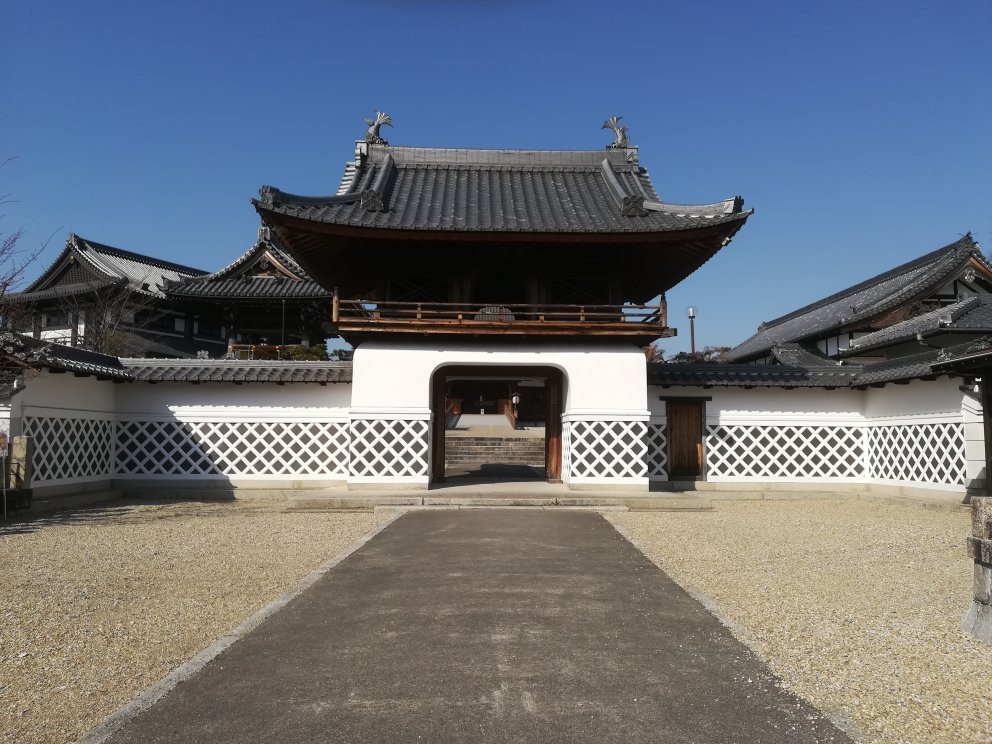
(248, 401)
(941, 397)
(63, 392)
(914, 422)
(735, 405)
(392, 381)
(88, 402)
(396, 377)
(608, 384)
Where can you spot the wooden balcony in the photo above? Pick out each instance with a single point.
(353, 318)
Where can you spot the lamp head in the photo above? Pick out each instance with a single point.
(690, 311)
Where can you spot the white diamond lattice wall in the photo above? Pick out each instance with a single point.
(607, 449)
(921, 453)
(68, 448)
(785, 451)
(389, 447)
(657, 452)
(231, 448)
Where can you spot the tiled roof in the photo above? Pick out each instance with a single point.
(226, 370)
(414, 188)
(750, 375)
(971, 315)
(239, 280)
(40, 354)
(795, 355)
(863, 301)
(107, 265)
(900, 368)
(925, 363)
(70, 289)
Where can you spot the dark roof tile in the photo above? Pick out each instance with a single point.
(237, 280)
(107, 265)
(863, 301)
(750, 375)
(971, 315)
(497, 191)
(44, 355)
(227, 370)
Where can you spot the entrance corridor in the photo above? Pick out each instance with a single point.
(487, 626)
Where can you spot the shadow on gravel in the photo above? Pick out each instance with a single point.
(20, 523)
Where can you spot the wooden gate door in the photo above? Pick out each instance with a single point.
(552, 426)
(685, 439)
(439, 415)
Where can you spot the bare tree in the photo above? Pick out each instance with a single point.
(654, 352)
(111, 316)
(14, 262)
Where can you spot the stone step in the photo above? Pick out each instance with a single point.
(634, 502)
(347, 502)
(494, 450)
(492, 447)
(507, 460)
(537, 441)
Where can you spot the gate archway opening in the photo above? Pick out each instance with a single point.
(496, 423)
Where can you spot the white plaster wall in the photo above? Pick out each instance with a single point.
(923, 405)
(65, 396)
(394, 377)
(53, 392)
(974, 442)
(941, 397)
(253, 401)
(608, 383)
(767, 405)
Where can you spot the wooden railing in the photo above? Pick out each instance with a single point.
(510, 414)
(452, 410)
(471, 317)
(256, 351)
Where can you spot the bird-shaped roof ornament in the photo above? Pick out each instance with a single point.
(621, 141)
(372, 134)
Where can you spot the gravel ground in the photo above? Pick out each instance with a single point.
(856, 605)
(98, 604)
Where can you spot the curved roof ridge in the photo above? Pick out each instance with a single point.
(907, 329)
(53, 266)
(234, 363)
(102, 248)
(222, 272)
(964, 241)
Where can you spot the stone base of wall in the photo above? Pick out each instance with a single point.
(64, 489)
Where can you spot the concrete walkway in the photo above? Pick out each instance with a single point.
(486, 626)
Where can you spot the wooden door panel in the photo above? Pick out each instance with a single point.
(552, 427)
(685, 438)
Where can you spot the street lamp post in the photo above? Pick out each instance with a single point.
(691, 313)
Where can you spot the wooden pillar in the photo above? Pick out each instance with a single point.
(438, 422)
(552, 426)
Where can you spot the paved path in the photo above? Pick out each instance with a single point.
(486, 626)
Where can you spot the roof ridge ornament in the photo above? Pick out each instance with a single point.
(372, 133)
(621, 140)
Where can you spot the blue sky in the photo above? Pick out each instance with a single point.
(860, 131)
